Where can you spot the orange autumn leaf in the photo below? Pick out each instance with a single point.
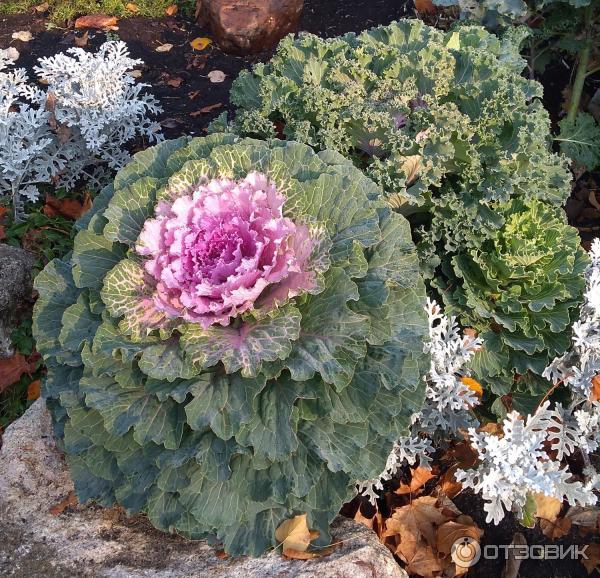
(98, 21)
(14, 367)
(595, 391)
(171, 10)
(200, 43)
(419, 477)
(33, 390)
(133, 8)
(70, 208)
(555, 529)
(592, 557)
(425, 6)
(473, 385)
(448, 484)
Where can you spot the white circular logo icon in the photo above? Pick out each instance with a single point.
(466, 552)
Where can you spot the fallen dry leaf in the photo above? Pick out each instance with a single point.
(175, 82)
(194, 94)
(98, 21)
(2, 233)
(14, 367)
(451, 531)
(33, 390)
(164, 47)
(419, 477)
(44, 7)
(555, 529)
(221, 554)
(200, 43)
(133, 8)
(592, 559)
(22, 35)
(425, 6)
(11, 53)
(81, 41)
(70, 208)
(135, 73)
(294, 534)
(448, 484)
(216, 76)
(473, 385)
(171, 10)
(304, 555)
(595, 392)
(69, 502)
(547, 507)
(207, 109)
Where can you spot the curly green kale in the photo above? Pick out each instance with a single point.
(520, 290)
(236, 338)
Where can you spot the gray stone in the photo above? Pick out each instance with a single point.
(90, 541)
(15, 292)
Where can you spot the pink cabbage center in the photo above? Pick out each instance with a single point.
(213, 253)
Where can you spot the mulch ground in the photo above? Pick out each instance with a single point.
(179, 79)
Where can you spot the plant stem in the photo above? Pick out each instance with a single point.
(584, 58)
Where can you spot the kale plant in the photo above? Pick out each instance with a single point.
(437, 119)
(236, 338)
(520, 290)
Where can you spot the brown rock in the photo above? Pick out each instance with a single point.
(245, 26)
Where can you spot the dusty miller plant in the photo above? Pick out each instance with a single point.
(75, 130)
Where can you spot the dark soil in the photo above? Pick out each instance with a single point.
(178, 78)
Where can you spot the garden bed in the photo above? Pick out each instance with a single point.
(179, 78)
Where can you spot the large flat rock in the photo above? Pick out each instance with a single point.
(93, 541)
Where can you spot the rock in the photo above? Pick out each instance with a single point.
(92, 541)
(245, 26)
(15, 292)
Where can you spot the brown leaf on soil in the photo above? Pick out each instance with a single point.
(221, 554)
(70, 208)
(33, 390)
(595, 392)
(294, 534)
(451, 531)
(171, 10)
(2, 233)
(586, 517)
(81, 41)
(175, 82)
(448, 484)
(98, 21)
(463, 454)
(555, 529)
(547, 507)
(207, 109)
(425, 6)
(194, 94)
(418, 478)
(14, 367)
(69, 502)
(592, 560)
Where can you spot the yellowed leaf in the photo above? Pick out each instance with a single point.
(294, 534)
(133, 8)
(98, 21)
(419, 477)
(22, 35)
(200, 43)
(547, 507)
(411, 166)
(33, 390)
(473, 385)
(304, 555)
(44, 7)
(171, 10)
(595, 391)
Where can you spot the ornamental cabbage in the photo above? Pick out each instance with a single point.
(520, 290)
(236, 338)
